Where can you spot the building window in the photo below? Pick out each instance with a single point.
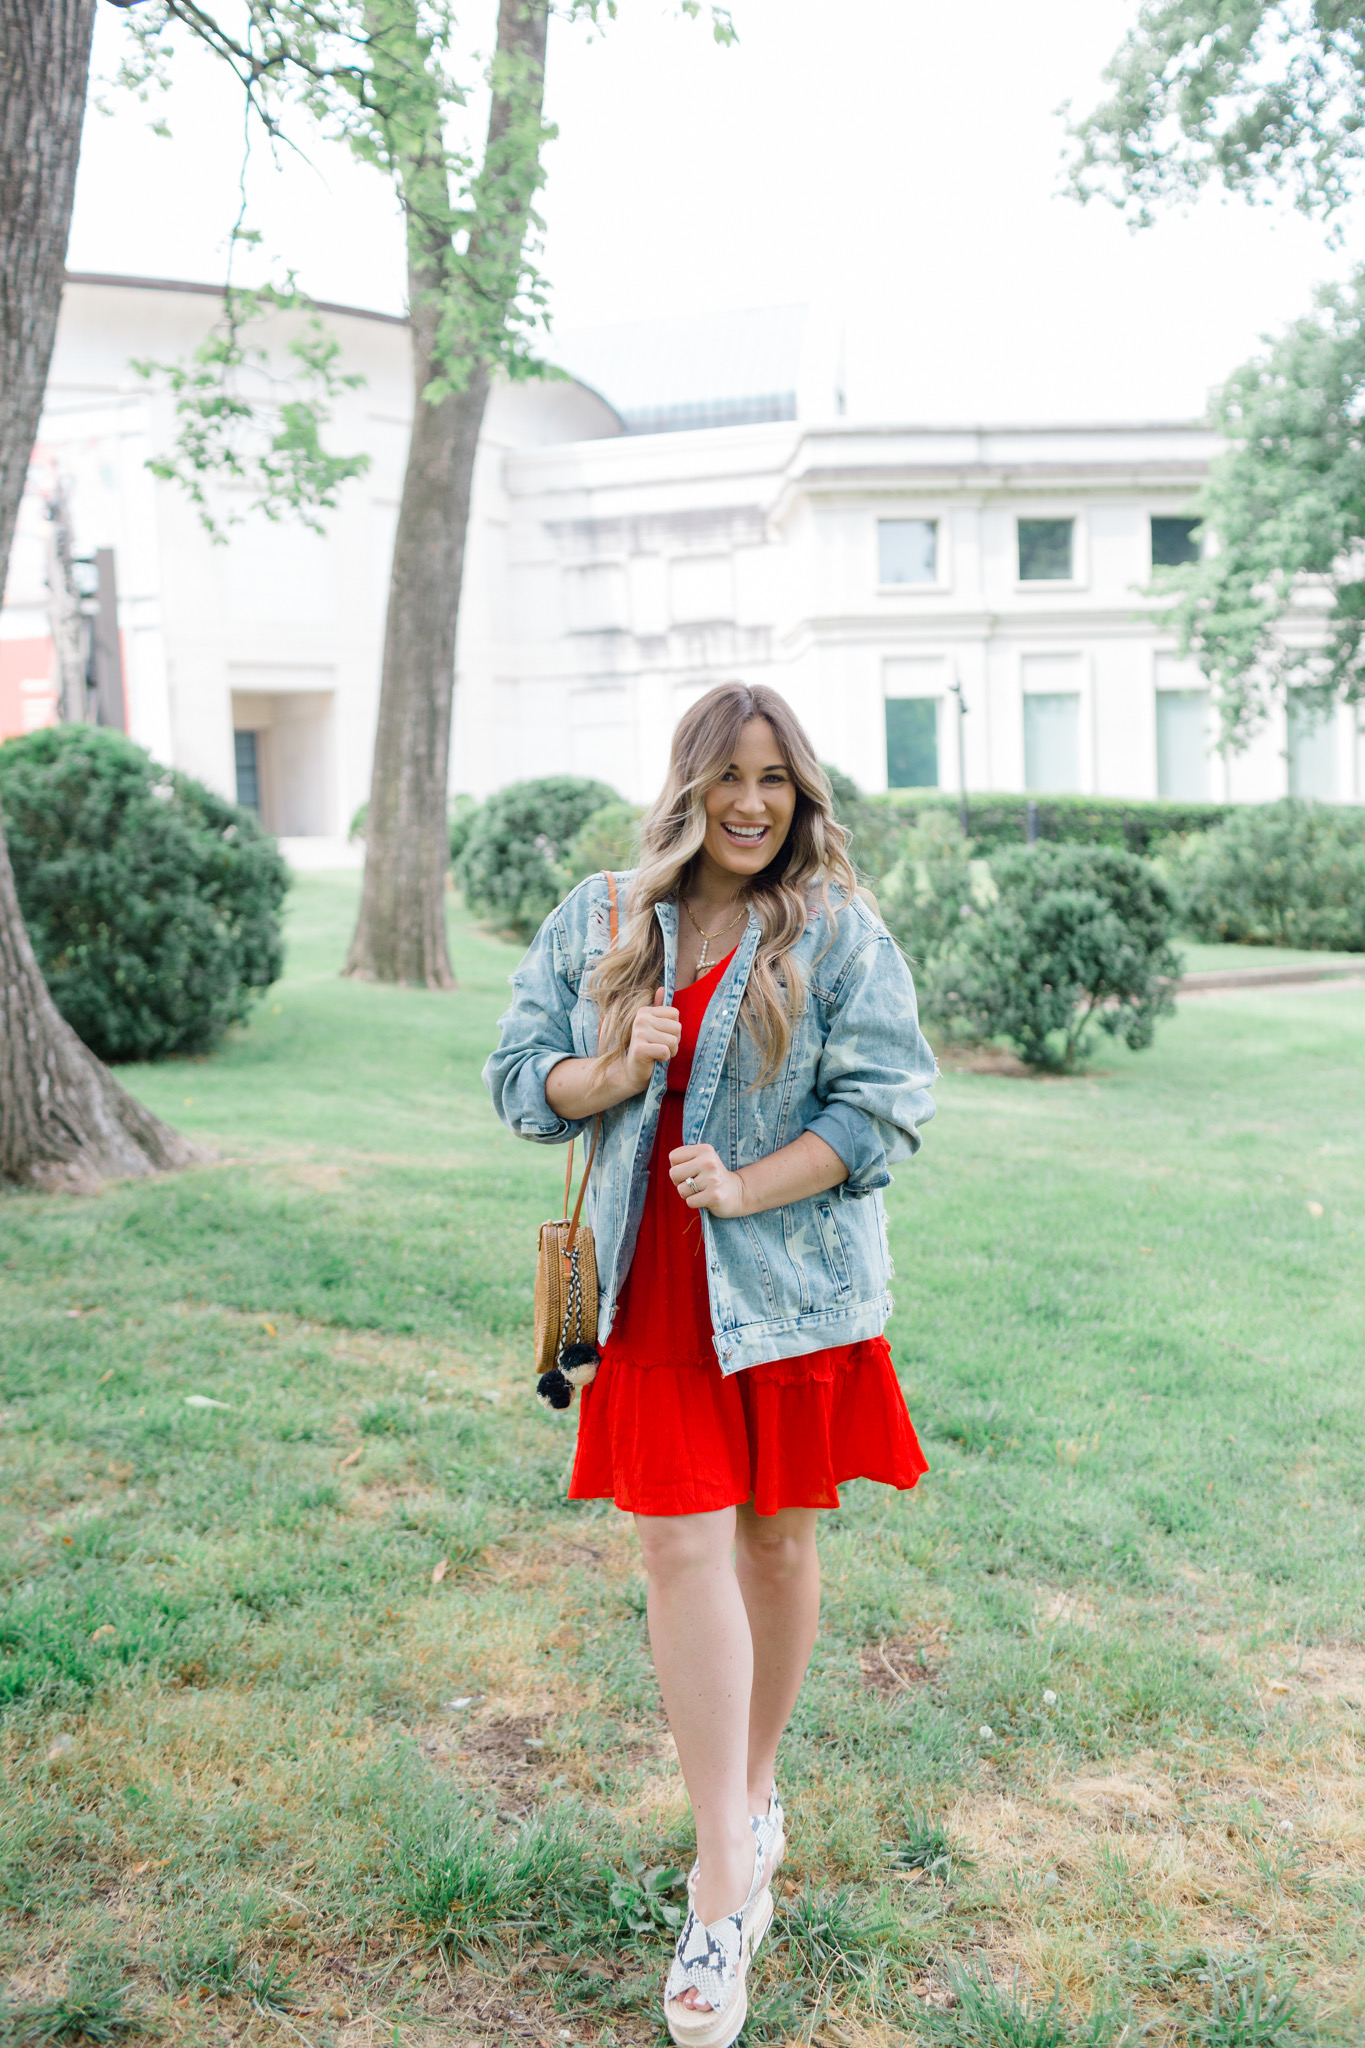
(1312, 749)
(1052, 750)
(912, 742)
(907, 550)
(1045, 550)
(248, 771)
(1174, 542)
(1182, 755)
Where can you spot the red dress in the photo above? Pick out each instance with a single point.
(662, 1431)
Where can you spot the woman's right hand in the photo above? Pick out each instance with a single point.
(654, 1035)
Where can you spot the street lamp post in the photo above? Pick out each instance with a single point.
(956, 689)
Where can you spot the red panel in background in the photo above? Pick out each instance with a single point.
(28, 698)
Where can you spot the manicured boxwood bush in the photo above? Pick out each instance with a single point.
(509, 865)
(610, 838)
(153, 905)
(1077, 937)
(1285, 874)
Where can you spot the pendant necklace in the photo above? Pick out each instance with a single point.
(706, 937)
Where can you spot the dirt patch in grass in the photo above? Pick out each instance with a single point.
(507, 1752)
(983, 1059)
(993, 1059)
(895, 1664)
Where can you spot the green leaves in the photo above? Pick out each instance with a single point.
(509, 869)
(1077, 937)
(237, 419)
(1281, 604)
(1254, 93)
(1262, 95)
(153, 904)
(1289, 874)
(641, 1899)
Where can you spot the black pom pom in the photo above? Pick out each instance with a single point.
(578, 1363)
(553, 1389)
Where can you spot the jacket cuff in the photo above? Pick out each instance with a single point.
(854, 1136)
(534, 1117)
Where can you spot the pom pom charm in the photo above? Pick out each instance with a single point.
(553, 1389)
(578, 1364)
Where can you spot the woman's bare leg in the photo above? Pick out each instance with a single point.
(703, 1655)
(778, 1570)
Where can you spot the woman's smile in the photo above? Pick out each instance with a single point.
(745, 835)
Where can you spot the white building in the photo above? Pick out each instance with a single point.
(880, 576)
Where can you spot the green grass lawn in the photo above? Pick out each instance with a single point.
(326, 1718)
(1202, 959)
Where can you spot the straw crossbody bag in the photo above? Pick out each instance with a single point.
(566, 1279)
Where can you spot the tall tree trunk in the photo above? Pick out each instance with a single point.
(64, 1120)
(44, 70)
(401, 934)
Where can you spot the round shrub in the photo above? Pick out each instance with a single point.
(508, 867)
(1077, 936)
(153, 905)
(610, 838)
(1284, 874)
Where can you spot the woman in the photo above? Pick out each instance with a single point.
(752, 1049)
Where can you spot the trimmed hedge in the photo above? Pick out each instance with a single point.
(1285, 874)
(1136, 824)
(153, 905)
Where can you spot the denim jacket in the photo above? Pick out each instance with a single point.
(795, 1279)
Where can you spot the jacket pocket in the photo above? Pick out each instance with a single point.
(832, 1244)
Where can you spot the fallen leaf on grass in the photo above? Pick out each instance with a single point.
(105, 1376)
(438, 1571)
(152, 1863)
(106, 1628)
(353, 1458)
(269, 1329)
(1315, 1209)
(204, 1401)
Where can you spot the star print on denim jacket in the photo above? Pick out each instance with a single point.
(811, 1274)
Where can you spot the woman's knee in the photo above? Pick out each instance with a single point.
(780, 1546)
(674, 1545)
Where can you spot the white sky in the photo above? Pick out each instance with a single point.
(894, 163)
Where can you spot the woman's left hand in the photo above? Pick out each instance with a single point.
(696, 1172)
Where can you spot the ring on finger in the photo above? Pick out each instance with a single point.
(691, 1183)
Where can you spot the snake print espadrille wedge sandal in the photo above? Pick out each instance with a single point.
(714, 1962)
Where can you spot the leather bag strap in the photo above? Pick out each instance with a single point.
(597, 1129)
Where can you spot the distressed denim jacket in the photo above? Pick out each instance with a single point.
(791, 1280)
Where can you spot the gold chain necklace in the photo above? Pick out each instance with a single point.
(706, 937)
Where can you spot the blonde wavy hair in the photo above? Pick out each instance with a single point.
(810, 858)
